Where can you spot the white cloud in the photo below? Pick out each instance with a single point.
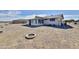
(76, 17)
(12, 14)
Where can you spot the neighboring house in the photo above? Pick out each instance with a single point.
(77, 21)
(46, 20)
(19, 21)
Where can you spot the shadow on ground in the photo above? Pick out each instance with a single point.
(61, 27)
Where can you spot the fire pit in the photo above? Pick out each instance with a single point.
(30, 36)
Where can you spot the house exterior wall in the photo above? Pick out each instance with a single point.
(60, 21)
(57, 21)
(27, 23)
(48, 22)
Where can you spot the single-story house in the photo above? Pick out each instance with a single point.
(19, 21)
(46, 20)
(77, 22)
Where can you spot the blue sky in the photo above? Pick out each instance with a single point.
(19, 14)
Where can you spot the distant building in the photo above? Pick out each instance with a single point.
(77, 21)
(19, 21)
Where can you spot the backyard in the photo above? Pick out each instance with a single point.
(13, 37)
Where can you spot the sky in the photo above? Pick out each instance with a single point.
(7, 15)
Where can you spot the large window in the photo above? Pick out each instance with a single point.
(52, 19)
(40, 21)
(36, 21)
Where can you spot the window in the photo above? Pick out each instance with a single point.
(36, 21)
(40, 21)
(52, 19)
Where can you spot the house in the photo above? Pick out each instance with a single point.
(19, 21)
(46, 20)
(77, 21)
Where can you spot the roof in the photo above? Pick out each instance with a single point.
(53, 16)
(43, 17)
(34, 16)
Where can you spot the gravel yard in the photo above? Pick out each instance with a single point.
(13, 37)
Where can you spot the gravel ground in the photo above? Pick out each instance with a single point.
(13, 37)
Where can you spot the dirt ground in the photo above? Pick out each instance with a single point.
(13, 37)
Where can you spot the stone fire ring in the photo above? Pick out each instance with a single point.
(30, 36)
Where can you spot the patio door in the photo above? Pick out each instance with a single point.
(40, 21)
